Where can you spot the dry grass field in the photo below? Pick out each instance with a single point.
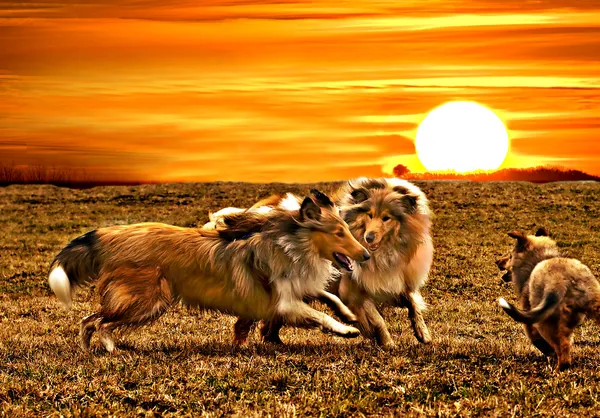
(479, 364)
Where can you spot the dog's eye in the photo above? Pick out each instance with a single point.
(340, 233)
(385, 218)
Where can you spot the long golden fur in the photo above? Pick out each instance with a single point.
(255, 268)
(555, 293)
(255, 216)
(392, 218)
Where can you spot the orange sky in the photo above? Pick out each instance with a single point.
(289, 90)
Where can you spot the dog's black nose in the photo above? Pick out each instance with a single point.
(366, 255)
(370, 237)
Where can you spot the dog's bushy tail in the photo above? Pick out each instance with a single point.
(220, 214)
(76, 265)
(242, 225)
(538, 314)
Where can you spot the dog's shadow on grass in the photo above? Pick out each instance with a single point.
(359, 348)
(222, 349)
(327, 351)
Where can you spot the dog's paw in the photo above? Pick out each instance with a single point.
(561, 367)
(388, 345)
(351, 332)
(272, 339)
(239, 341)
(423, 336)
(350, 318)
(108, 344)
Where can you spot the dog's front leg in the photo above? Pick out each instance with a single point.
(338, 306)
(381, 333)
(241, 329)
(414, 303)
(370, 321)
(300, 314)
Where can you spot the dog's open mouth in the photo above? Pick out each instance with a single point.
(343, 261)
(373, 247)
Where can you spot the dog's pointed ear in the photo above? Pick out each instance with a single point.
(401, 190)
(322, 198)
(542, 232)
(521, 238)
(410, 202)
(359, 195)
(309, 210)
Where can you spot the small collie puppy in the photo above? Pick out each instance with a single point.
(391, 217)
(555, 293)
(255, 270)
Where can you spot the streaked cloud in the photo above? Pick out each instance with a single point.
(288, 90)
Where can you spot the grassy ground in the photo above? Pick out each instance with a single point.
(480, 363)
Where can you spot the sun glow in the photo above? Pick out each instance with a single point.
(462, 137)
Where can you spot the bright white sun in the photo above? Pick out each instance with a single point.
(462, 137)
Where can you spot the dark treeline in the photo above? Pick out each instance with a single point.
(543, 174)
(63, 177)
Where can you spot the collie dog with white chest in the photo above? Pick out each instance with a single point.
(391, 217)
(254, 270)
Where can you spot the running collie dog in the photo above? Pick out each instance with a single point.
(254, 273)
(392, 218)
(256, 219)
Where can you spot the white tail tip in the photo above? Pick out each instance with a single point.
(503, 303)
(59, 283)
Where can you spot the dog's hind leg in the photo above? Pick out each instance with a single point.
(241, 330)
(569, 319)
(564, 353)
(270, 330)
(414, 304)
(87, 329)
(538, 341)
(131, 297)
(559, 336)
(105, 333)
